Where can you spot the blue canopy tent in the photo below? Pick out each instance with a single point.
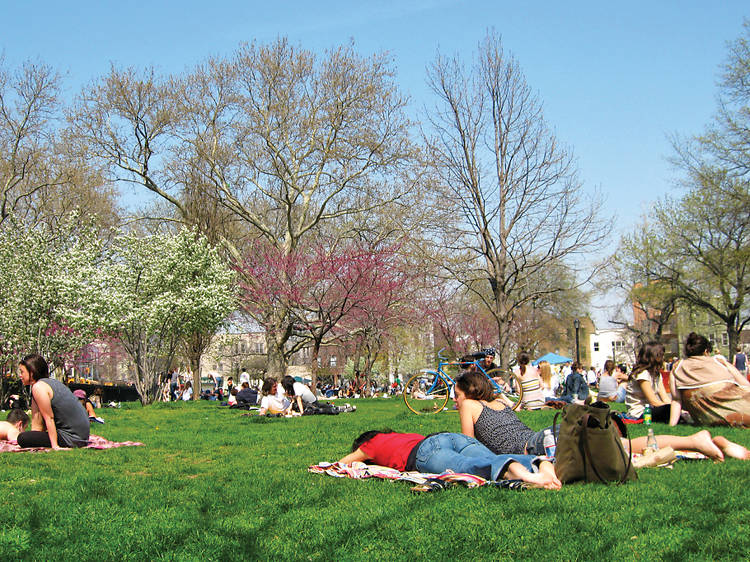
(552, 359)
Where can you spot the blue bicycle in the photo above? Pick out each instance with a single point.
(428, 392)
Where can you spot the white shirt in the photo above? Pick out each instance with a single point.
(304, 392)
(244, 377)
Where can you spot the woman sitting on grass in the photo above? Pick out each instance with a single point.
(57, 418)
(502, 432)
(712, 390)
(645, 385)
(533, 396)
(550, 381)
(575, 386)
(14, 424)
(272, 404)
(449, 451)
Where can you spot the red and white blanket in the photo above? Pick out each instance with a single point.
(425, 482)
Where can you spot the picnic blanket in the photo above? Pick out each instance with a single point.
(95, 442)
(424, 482)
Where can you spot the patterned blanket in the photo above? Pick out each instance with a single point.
(95, 442)
(424, 482)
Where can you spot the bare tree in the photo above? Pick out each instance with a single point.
(515, 209)
(33, 162)
(281, 141)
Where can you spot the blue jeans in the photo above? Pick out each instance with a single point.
(460, 453)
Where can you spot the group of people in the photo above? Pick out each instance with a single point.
(495, 444)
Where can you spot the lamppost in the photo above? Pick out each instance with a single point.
(577, 324)
(614, 359)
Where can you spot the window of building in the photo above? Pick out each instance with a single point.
(724, 338)
(596, 346)
(619, 345)
(333, 360)
(243, 347)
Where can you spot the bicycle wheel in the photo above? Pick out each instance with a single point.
(511, 385)
(426, 393)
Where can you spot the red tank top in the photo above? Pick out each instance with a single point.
(391, 449)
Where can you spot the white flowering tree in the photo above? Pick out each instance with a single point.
(45, 290)
(157, 290)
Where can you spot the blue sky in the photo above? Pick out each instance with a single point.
(615, 79)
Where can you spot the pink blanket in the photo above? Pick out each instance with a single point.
(95, 442)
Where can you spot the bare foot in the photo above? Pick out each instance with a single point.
(545, 478)
(732, 449)
(704, 444)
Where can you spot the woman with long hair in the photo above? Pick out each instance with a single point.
(550, 381)
(533, 397)
(712, 390)
(502, 432)
(57, 418)
(645, 385)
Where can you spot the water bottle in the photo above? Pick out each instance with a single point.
(651, 440)
(550, 448)
(647, 414)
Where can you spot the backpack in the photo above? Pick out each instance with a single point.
(589, 447)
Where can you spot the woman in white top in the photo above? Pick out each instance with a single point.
(271, 403)
(550, 381)
(187, 394)
(646, 386)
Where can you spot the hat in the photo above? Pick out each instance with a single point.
(489, 351)
(80, 394)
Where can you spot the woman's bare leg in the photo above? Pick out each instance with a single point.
(731, 449)
(700, 442)
(545, 478)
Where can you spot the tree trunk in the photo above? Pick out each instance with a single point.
(276, 361)
(314, 366)
(195, 366)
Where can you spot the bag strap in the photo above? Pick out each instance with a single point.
(587, 452)
(554, 422)
(624, 432)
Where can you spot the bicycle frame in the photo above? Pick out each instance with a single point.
(435, 397)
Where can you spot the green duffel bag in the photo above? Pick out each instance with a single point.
(589, 447)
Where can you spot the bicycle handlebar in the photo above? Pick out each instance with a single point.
(440, 354)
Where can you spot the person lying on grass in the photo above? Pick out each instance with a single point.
(14, 424)
(271, 403)
(449, 451)
(86, 403)
(502, 432)
(57, 418)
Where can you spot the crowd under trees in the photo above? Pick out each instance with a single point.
(301, 190)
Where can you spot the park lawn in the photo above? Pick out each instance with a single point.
(211, 484)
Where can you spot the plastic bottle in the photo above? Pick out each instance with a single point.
(651, 440)
(647, 414)
(550, 448)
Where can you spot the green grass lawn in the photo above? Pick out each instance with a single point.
(213, 485)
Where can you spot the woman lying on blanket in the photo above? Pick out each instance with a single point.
(57, 418)
(14, 424)
(449, 451)
(502, 432)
